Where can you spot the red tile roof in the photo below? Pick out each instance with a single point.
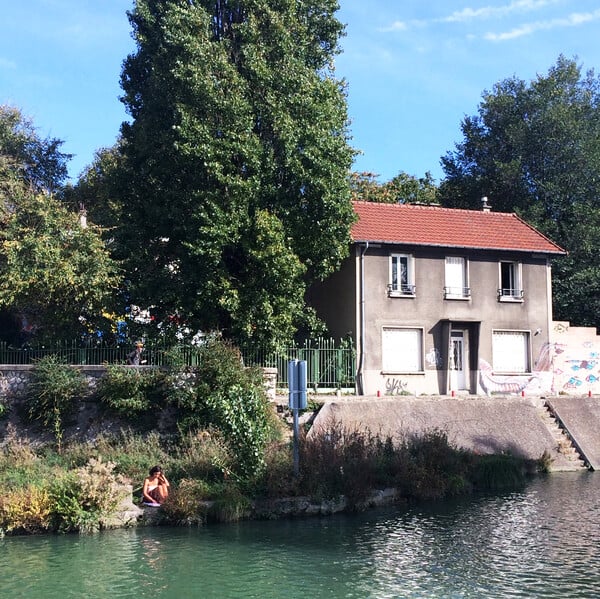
(447, 227)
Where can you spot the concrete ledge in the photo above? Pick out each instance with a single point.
(484, 425)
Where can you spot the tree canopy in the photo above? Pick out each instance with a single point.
(534, 148)
(55, 272)
(403, 188)
(36, 162)
(236, 161)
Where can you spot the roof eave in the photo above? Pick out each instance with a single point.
(557, 252)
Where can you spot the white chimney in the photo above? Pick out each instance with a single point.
(484, 204)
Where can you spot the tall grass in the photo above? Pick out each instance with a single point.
(45, 490)
(353, 463)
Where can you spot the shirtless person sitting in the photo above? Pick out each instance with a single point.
(156, 487)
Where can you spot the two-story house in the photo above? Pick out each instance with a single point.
(441, 301)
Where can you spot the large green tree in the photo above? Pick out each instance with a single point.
(56, 275)
(534, 148)
(236, 159)
(37, 162)
(403, 189)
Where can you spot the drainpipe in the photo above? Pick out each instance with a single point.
(359, 372)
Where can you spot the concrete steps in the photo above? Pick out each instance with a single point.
(564, 444)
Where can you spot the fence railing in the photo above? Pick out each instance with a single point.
(73, 352)
(330, 364)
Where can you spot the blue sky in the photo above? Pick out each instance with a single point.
(414, 68)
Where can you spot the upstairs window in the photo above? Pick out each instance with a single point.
(402, 275)
(457, 279)
(511, 287)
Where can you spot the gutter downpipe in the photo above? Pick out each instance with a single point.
(359, 372)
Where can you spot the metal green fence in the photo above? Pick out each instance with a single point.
(73, 352)
(331, 364)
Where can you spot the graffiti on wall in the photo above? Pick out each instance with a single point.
(434, 358)
(492, 383)
(569, 367)
(394, 386)
(577, 371)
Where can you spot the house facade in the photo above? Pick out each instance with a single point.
(442, 301)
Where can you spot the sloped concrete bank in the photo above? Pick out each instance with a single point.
(519, 426)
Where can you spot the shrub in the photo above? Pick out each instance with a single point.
(25, 510)
(230, 504)
(51, 392)
(221, 393)
(81, 499)
(68, 515)
(202, 454)
(241, 414)
(184, 505)
(353, 463)
(498, 473)
(340, 461)
(277, 478)
(130, 391)
(133, 453)
(100, 488)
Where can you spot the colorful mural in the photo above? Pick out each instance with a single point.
(568, 365)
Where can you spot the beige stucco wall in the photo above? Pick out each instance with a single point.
(336, 302)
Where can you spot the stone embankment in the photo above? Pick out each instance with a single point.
(521, 426)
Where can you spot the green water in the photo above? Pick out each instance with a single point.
(542, 542)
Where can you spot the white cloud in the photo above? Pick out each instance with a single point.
(572, 20)
(468, 14)
(396, 26)
(489, 12)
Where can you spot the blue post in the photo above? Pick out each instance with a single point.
(297, 401)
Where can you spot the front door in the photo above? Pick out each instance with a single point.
(457, 361)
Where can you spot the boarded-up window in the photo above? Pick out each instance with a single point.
(402, 350)
(510, 351)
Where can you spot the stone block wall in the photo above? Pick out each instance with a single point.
(14, 378)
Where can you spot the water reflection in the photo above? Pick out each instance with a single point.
(538, 543)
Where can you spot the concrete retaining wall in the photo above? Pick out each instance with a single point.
(515, 425)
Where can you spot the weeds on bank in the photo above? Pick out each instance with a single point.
(42, 497)
(76, 489)
(51, 392)
(353, 463)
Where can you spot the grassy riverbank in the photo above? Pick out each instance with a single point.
(78, 488)
(219, 441)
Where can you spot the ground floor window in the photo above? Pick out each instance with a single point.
(402, 349)
(510, 351)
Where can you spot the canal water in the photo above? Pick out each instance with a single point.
(540, 542)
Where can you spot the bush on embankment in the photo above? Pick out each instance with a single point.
(42, 495)
(221, 451)
(46, 491)
(219, 424)
(354, 463)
